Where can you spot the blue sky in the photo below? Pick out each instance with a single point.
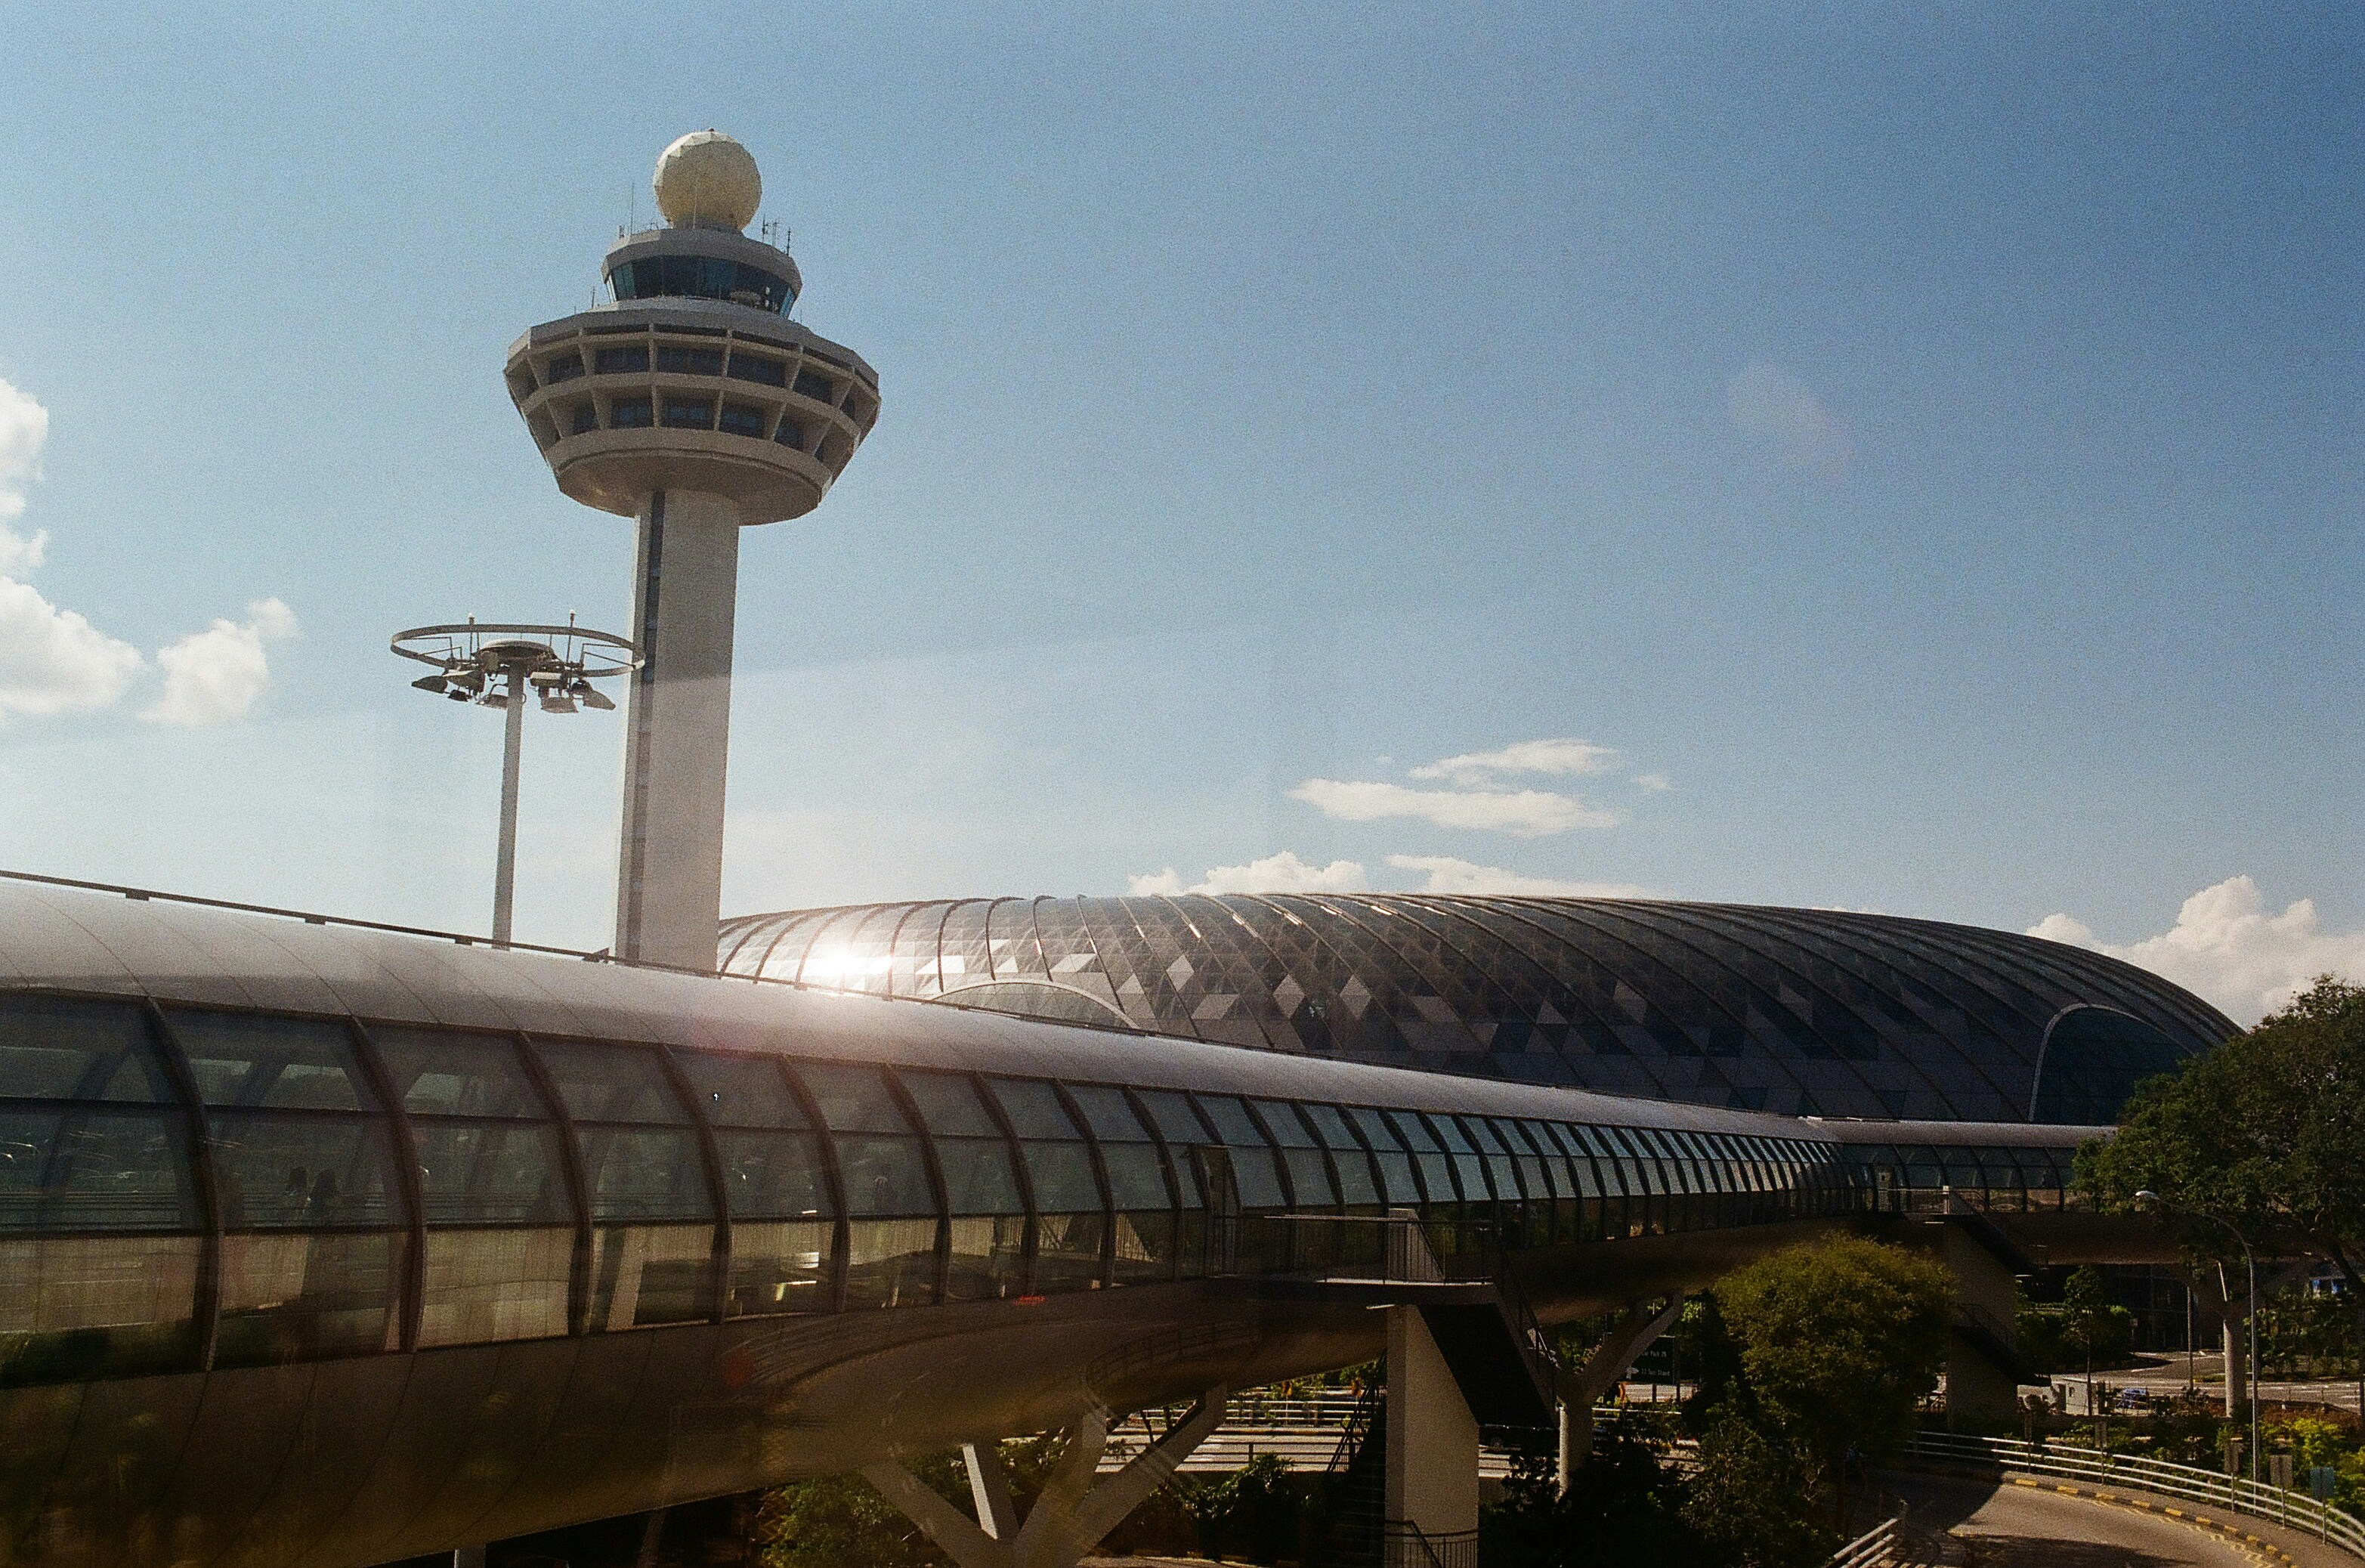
(1921, 445)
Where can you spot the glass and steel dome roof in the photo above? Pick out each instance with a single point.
(1802, 1011)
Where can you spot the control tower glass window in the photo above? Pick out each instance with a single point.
(100, 1234)
(314, 1234)
(702, 278)
(774, 1180)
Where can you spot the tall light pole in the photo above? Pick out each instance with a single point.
(2250, 1266)
(499, 665)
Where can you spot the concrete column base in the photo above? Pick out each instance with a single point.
(1431, 1507)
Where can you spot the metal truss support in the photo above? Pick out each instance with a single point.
(1071, 1516)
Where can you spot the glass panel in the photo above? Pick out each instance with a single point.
(602, 1082)
(252, 1059)
(489, 1171)
(1146, 1246)
(852, 1099)
(651, 1273)
(950, 1104)
(1173, 1114)
(56, 1048)
(1068, 1251)
(1107, 1114)
(94, 1171)
(1062, 1174)
(79, 1307)
(1413, 1132)
(988, 1258)
(1374, 1127)
(1231, 1122)
(773, 1175)
(1331, 1126)
(741, 1092)
(1456, 1140)
(1281, 1121)
(483, 1285)
(977, 1177)
(884, 1175)
(1136, 1176)
(441, 1073)
(302, 1172)
(1309, 1177)
(890, 1262)
(1397, 1178)
(779, 1266)
(1034, 1110)
(292, 1297)
(644, 1173)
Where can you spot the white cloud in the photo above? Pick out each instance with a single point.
(2228, 945)
(1523, 814)
(1282, 873)
(215, 676)
(1521, 756)
(1448, 874)
(1775, 409)
(24, 431)
(53, 660)
(1657, 783)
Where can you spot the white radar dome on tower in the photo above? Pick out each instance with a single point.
(707, 178)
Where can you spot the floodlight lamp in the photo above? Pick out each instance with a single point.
(596, 700)
(557, 704)
(457, 694)
(434, 683)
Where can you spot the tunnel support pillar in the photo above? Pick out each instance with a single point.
(1606, 1368)
(1431, 1509)
(1069, 1517)
(1982, 1351)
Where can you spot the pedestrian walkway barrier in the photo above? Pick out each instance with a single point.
(1873, 1549)
(2232, 1494)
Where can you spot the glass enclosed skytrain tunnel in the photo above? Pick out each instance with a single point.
(368, 1245)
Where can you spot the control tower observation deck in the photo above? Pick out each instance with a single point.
(691, 403)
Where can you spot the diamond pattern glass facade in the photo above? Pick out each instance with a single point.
(1799, 1012)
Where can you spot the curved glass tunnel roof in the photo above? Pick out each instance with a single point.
(1799, 1011)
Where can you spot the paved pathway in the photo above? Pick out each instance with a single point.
(2010, 1526)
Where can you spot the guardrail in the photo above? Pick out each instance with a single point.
(1872, 1549)
(2232, 1494)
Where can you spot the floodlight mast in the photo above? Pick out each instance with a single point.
(690, 403)
(498, 664)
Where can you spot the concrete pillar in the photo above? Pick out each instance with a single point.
(677, 730)
(1432, 1457)
(1975, 1384)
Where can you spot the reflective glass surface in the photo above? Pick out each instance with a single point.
(62, 1048)
(243, 1059)
(1792, 1011)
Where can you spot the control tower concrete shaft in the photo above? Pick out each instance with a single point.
(690, 403)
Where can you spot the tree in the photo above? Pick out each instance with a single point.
(1838, 1341)
(2266, 1132)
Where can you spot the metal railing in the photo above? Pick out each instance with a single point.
(1405, 1545)
(1873, 1548)
(2232, 1494)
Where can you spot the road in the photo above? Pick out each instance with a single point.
(2025, 1527)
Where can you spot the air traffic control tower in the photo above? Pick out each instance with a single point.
(690, 403)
